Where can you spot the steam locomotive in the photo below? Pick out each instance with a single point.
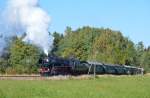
(53, 65)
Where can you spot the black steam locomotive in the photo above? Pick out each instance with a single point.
(59, 66)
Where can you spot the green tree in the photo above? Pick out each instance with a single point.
(145, 60)
(68, 31)
(57, 38)
(4, 57)
(104, 45)
(112, 47)
(23, 57)
(78, 43)
(3, 65)
(140, 53)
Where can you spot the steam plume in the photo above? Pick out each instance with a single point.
(26, 16)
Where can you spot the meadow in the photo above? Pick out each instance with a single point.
(102, 87)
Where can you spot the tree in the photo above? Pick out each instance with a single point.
(23, 57)
(5, 55)
(146, 61)
(112, 47)
(78, 43)
(104, 45)
(140, 53)
(68, 31)
(143, 56)
(3, 65)
(57, 38)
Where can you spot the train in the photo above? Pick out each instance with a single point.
(52, 65)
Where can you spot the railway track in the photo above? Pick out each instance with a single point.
(38, 77)
(33, 77)
(20, 77)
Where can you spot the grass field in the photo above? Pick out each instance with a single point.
(103, 87)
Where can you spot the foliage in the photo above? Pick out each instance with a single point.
(3, 65)
(23, 57)
(98, 44)
(111, 47)
(143, 56)
(57, 38)
(145, 60)
(78, 43)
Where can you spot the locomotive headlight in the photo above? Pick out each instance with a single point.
(47, 60)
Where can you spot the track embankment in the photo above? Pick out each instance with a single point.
(60, 77)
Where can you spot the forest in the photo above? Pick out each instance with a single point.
(87, 43)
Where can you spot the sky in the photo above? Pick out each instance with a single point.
(131, 17)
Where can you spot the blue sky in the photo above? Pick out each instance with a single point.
(131, 17)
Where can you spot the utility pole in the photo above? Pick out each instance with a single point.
(93, 58)
(94, 71)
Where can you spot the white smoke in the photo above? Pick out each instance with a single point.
(26, 16)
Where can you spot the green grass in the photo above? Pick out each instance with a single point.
(103, 87)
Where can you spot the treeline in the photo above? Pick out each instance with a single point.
(102, 45)
(87, 43)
